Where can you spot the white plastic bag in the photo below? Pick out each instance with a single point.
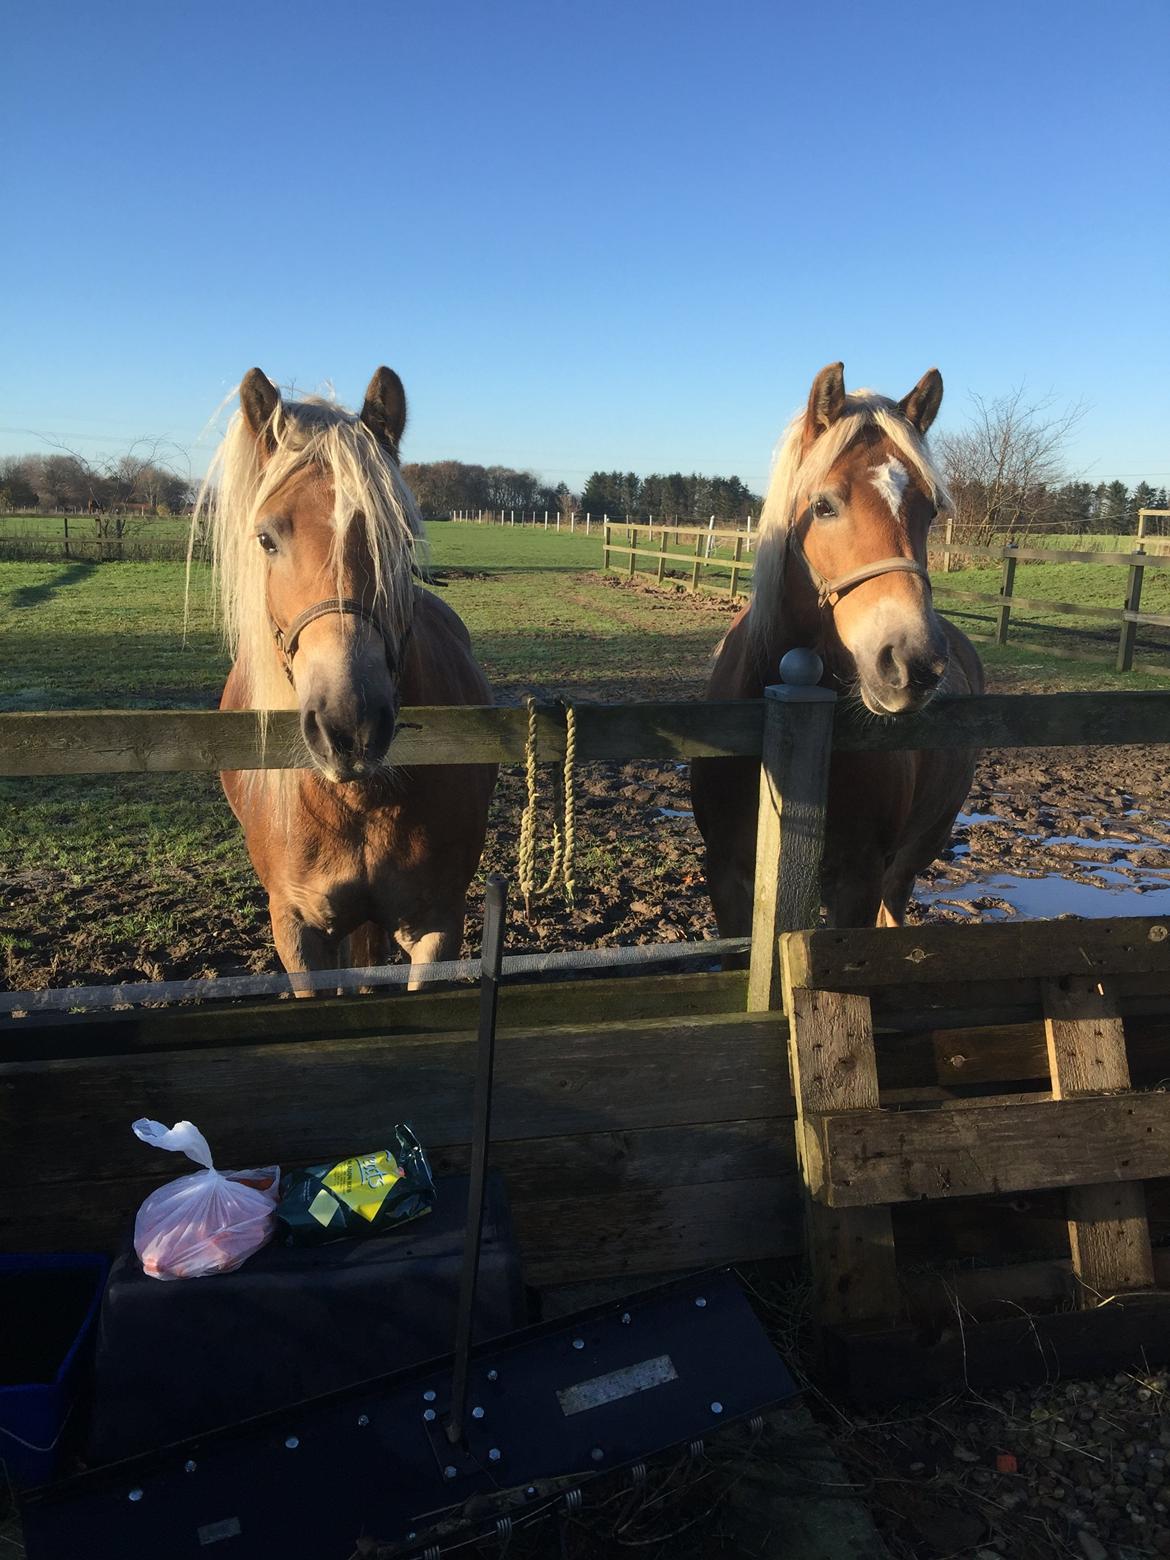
(203, 1223)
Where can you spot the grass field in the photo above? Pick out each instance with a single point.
(129, 877)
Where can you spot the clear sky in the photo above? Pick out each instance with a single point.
(591, 235)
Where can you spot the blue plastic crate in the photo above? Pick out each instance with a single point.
(47, 1307)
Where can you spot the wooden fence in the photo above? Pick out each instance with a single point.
(548, 519)
(689, 551)
(641, 1128)
(36, 547)
(1144, 518)
(691, 557)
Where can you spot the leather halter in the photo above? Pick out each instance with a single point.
(829, 592)
(287, 639)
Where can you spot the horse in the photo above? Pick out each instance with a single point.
(841, 568)
(316, 545)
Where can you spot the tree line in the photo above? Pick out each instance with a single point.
(441, 486)
(68, 482)
(1005, 467)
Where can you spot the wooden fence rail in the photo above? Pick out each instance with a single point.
(91, 742)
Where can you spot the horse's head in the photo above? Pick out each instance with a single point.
(861, 493)
(328, 533)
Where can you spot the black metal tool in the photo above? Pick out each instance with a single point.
(490, 961)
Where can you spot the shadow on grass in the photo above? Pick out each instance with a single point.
(123, 670)
(37, 595)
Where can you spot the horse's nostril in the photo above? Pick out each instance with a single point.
(891, 667)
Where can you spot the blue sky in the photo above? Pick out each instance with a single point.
(616, 235)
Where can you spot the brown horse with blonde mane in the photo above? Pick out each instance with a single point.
(316, 542)
(841, 568)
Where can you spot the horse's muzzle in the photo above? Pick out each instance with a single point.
(348, 749)
(904, 678)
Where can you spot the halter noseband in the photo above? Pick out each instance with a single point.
(287, 639)
(829, 592)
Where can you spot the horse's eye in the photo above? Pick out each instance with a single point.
(266, 541)
(823, 509)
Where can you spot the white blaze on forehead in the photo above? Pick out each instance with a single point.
(891, 481)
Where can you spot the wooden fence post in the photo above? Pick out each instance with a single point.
(790, 829)
(735, 565)
(1003, 612)
(662, 558)
(605, 551)
(698, 559)
(632, 538)
(66, 520)
(1129, 628)
(948, 542)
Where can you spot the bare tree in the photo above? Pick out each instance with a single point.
(1003, 467)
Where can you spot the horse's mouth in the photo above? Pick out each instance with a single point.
(912, 701)
(346, 774)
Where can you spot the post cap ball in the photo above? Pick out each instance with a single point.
(801, 668)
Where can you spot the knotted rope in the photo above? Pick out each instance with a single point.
(564, 829)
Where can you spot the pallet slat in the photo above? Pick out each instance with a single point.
(1109, 1233)
(982, 957)
(885, 1156)
(834, 1067)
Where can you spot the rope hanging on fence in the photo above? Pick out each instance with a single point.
(564, 833)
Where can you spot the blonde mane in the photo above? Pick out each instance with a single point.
(368, 490)
(792, 476)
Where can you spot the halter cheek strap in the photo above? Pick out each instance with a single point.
(287, 639)
(829, 592)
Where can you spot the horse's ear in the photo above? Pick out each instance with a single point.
(826, 400)
(384, 409)
(921, 406)
(259, 398)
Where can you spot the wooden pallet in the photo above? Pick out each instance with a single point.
(1092, 1136)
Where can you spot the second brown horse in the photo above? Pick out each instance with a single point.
(841, 568)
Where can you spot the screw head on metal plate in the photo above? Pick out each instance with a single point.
(801, 668)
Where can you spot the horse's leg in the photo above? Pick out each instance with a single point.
(435, 944)
(855, 895)
(301, 947)
(366, 946)
(896, 892)
(729, 882)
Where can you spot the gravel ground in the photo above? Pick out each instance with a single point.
(1076, 1469)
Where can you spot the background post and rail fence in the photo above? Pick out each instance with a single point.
(684, 555)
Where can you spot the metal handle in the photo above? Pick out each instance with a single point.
(491, 958)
